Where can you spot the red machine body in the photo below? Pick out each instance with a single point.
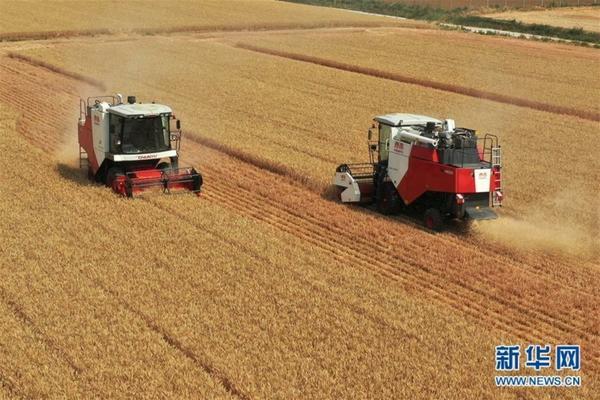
(131, 146)
(424, 163)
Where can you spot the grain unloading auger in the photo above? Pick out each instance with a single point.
(131, 148)
(429, 165)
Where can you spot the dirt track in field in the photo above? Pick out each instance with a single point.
(481, 94)
(530, 296)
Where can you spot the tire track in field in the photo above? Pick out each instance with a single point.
(30, 115)
(244, 157)
(12, 389)
(357, 251)
(73, 75)
(170, 340)
(523, 328)
(26, 320)
(498, 254)
(177, 345)
(495, 319)
(259, 176)
(549, 323)
(392, 76)
(495, 252)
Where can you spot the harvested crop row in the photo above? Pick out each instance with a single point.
(420, 250)
(78, 77)
(317, 219)
(279, 319)
(467, 91)
(262, 285)
(305, 117)
(508, 70)
(66, 336)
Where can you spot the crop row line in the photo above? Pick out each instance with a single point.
(447, 87)
(236, 195)
(20, 314)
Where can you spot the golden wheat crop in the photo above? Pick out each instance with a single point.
(181, 297)
(586, 18)
(263, 287)
(513, 67)
(64, 18)
(310, 118)
(492, 4)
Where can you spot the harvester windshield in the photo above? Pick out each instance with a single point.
(139, 135)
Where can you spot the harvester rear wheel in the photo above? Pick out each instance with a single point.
(388, 199)
(433, 219)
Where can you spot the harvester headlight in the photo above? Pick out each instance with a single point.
(460, 199)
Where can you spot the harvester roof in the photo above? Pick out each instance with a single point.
(140, 110)
(397, 119)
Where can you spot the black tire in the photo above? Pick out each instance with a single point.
(128, 188)
(111, 174)
(388, 199)
(433, 219)
(164, 166)
(197, 181)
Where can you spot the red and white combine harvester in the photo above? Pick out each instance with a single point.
(428, 165)
(131, 147)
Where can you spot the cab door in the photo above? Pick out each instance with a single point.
(385, 133)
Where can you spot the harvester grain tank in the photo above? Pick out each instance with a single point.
(422, 163)
(132, 147)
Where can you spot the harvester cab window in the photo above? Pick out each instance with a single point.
(385, 132)
(139, 135)
(114, 131)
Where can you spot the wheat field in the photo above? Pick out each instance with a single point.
(297, 119)
(264, 287)
(586, 18)
(31, 19)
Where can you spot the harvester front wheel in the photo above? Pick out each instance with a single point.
(433, 219)
(164, 166)
(388, 199)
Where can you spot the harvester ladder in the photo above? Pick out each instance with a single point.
(496, 161)
(83, 158)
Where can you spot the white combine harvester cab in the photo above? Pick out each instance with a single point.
(132, 147)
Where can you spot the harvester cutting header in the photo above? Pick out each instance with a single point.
(426, 164)
(131, 146)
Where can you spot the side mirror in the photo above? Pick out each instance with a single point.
(178, 124)
(370, 134)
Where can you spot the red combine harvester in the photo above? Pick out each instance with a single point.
(428, 165)
(131, 148)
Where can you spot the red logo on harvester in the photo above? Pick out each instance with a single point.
(97, 119)
(399, 147)
(482, 175)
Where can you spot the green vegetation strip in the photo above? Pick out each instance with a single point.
(457, 16)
